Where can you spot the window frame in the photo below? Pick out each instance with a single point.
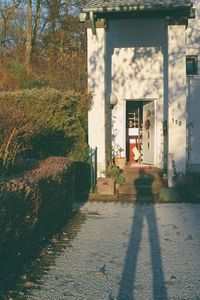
(194, 59)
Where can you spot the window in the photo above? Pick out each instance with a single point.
(191, 64)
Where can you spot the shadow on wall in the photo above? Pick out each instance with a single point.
(193, 125)
(139, 40)
(140, 63)
(93, 63)
(134, 66)
(127, 286)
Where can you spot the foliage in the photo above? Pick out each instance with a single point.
(114, 172)
(41, 123)
(17, 129)
(67, 72)
(176, 174)
(189, 127)
(178, 177)
(165, 128)
(119, 150)
(33, 207)
(18, 76)
(55, 50)
(112, 148)
(17, 70)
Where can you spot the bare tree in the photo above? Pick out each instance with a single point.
(36, 24)
(6, 14)
(28, 38)
(46, 42)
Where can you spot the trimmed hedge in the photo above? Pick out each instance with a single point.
(35, 205)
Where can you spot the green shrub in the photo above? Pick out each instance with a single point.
(113, 172)
(34, 82)
(19, 76)
(17, 71)
(60, 116)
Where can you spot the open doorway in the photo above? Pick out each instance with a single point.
(134, 138)
(140, 135)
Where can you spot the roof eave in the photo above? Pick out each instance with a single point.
(135, 8)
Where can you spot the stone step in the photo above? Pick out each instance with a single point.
(142, 181)
(144, 184)
(133, 198)
(132, 191)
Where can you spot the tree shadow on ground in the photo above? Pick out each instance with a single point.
(143, 186)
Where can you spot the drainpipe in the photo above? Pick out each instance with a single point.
(92, 22)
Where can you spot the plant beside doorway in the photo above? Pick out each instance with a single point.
(114, 172)
(111, 182)
(119, 150)
(119, 160)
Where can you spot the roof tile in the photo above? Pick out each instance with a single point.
(121, 3)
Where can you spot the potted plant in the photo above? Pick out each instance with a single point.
(112, 180)
(120, 161)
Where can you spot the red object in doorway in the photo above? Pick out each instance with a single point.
(131, 154)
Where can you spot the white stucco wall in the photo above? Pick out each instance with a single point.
(176, 100)
(141, 60)
(96, 84)
(193, 89)
(137, 50)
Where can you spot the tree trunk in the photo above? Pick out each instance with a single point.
(36, 26)
(28, 38)
(6, 16)
(3, 34)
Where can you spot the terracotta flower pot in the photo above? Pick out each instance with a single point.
(106, 186)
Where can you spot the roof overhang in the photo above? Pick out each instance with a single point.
(178, 12)
(130, 8)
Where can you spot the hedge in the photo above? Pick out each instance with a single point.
(35, 205)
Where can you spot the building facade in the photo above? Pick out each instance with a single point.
(144, 74)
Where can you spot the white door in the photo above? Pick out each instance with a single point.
(149, 132)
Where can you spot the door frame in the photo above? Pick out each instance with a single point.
(155, 123)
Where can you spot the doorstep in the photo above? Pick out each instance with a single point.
(98, 197)
(166, 195)
(84, 197)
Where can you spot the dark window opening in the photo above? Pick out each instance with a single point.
(191, 64)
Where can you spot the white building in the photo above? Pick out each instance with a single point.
(144, 73)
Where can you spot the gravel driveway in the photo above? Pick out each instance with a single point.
(123, 251)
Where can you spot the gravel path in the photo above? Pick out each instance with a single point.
(123, 251)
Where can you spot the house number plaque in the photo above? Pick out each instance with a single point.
(179, 123)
